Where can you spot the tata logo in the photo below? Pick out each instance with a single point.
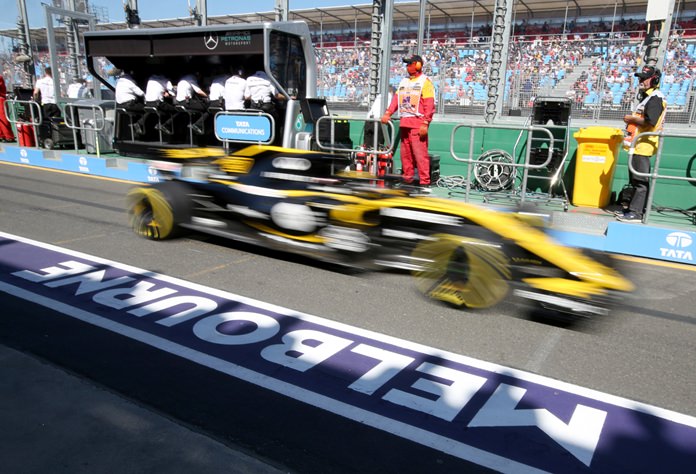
(83, 165)
(678, 243)
(211, 41)
(153, 175)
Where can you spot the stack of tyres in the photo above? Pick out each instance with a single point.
(25, 134)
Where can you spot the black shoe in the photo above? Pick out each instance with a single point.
(630, 216)
(196, 129)
(163, 128)
(620, 212)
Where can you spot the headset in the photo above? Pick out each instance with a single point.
(655, 79)
(417, 64)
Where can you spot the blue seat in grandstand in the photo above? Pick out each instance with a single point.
(617, 99)
(690, 49)
(591, 99)
(681, 100)
(666, 87)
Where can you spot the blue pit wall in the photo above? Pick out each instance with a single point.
(668, 239)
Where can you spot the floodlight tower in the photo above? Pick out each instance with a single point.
(659, 19)
(199, 12)
(25, 56)
(281, 10)
(497, 70)
(380, 50)
(132, 17)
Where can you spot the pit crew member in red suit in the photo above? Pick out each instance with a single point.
(415, 101)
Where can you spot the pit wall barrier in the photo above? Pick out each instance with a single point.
(115, 168)
(639, 240)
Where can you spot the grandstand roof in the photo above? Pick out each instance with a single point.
(442, 12)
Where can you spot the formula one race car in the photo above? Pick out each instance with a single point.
(308, 203)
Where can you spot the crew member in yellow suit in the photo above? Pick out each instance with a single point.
(649, 116)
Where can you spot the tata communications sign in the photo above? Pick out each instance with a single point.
(653, 242)
(244, 128)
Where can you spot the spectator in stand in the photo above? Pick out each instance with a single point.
(415, 101)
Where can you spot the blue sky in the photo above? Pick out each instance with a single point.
(162, 9)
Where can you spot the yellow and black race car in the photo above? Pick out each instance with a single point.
(306, 202)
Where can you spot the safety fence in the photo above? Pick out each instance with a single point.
(656, 179)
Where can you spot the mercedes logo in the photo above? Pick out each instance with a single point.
(211, 41)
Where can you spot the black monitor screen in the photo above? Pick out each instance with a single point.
(313, 109)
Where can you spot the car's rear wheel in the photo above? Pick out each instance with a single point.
(155, 212)
(462, 271)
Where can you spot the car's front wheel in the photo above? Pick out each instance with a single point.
(462, 271)
(155, 212)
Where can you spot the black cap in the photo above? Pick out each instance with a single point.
(647, 72)
(413, 59)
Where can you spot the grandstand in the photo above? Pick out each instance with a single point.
(586, 50)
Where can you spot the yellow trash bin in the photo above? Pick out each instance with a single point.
(598, 150)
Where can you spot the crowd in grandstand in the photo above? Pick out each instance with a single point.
(540, 57)
(590, 62)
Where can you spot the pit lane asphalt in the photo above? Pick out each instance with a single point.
(643, 351)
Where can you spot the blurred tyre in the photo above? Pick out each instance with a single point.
(155, 212)
(462, 271)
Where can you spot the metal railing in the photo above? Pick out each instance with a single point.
(526, 166)
(11, 107)
(654, 175)
(375, 149)
(95, 124)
